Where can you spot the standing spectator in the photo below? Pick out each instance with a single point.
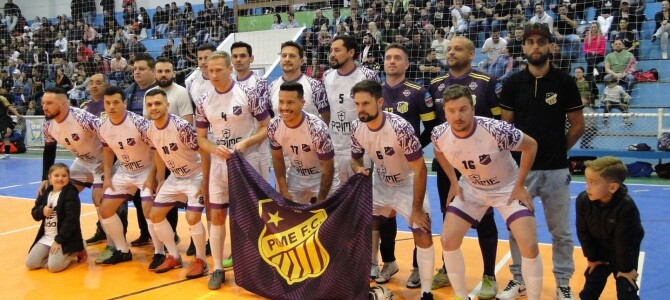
(493, 46)
(88, 11)
(337, 20)
(439, 45)
(629, 38)
(129, 12)
(620, 64)
(76, 9)
(604, 20)
(318, 21)
(662, 27)
(416, 49)
(479, 21)
(276, 22)
(565, 31)
(589, 92)
(441, 15)
(370, 16)
(107, 6)
(430, 68)
(539, 101)
(368, 46)
(12, 14)
(308, 43)
(118, 68)
(594, 49)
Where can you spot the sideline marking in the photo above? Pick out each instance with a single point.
(37, 226)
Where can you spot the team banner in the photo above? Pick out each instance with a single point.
(284, 250)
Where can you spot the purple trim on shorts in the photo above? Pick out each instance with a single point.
(81, 183)
(150, 198)
(463, 215)
(518, 215)
(194, 208)
(119, 196)
(219, 205)
(165, 204)
(96, 186)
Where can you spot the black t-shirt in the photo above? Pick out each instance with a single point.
(504, 9)
(562, 26)
(540, 106)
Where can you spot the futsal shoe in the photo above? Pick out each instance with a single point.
(374, 272)
(440, 279)
(217, 278)
(107, 253)
(169, 264)
(141, 241)
(513, 290)
(489, 288)
(199, 268)
(228, 263)
(118, 257)
(389, 269)
(97, 238)
(156, 261)
(414, 280)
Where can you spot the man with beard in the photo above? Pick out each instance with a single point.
(400, 181)
(338, 82)
(304, 139)
(290, 61)
(537, 101)
(410, 101)
(178, 98)
(460, 54)
(620, 64)
(480, 149)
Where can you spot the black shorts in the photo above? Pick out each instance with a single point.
(4, 124)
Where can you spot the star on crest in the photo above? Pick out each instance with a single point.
(275, 218)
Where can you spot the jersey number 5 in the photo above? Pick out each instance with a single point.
(341, 98)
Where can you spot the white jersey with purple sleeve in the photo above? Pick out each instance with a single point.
(305, 145)
(78, 133)
(260, 87)
(177, 145)
(484, 156)
(129, 141)
(316, 101)
(391, 148)
(197, 85)
(343, 109)
(231, 115)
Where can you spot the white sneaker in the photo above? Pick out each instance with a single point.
(374, 272)
(5, 156)
(414, 280)
(564, 293)
(664, 55)
(513, 290)
(388, 270)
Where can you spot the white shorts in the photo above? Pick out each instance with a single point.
(386, 199)
(174, 189)
(264, 160)
(304, 188)
(125, 185)
(478, 201)
(343, 161)
(83, 174)
(218, 180)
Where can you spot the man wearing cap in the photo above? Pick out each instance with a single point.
(539, 101)
(369, 46)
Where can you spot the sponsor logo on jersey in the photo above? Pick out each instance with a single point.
(389, 178)
(173, 146)
(429, 100)
(406, 93)
(477, 180)
(341, 115)
(225, 133)
(125, 158)
(306, 148)
(341, 125)
(473, 85)
(389, 151)
(485, 159)
(237, 110)
(131, 142)
(403, 107)
(297, 165)
(75, 136)
(292, 246)
(440, 87)
(551, 98)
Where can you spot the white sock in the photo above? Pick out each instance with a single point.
(110, 242)
(199, 239)
(455, 264)
(425, 258)
(159, 247)
(166, 235)
(531, 269)
(216, 237)
(114, 230)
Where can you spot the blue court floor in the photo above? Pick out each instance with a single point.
(21, 176)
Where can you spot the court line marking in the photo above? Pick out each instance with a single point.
(37, 226)
(151, 288)
(10, 186)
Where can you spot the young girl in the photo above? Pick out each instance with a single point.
(59, 241)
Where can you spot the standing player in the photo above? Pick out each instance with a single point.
(460, 54)
(175, 143)
(410, 101)
(538, 101)
(338, 82)
(304, 138)
(6, 123)
(400, 181)
(123, 134)
(480, 149)
(291, 59)
(231, 110)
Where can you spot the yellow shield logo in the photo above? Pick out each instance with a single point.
(403, 107)
(292, 245)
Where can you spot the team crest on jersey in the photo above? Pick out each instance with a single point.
(170, 164)
(389, 151)
(403, 107)
(75, 136)
(551, 98)
(237, 110)
(297, 164)
(306, 148)
(341, 115)
(125, 158)
(225, 133)
(173, 146)
(406, 93)
(485, 159)
(382, 171)
(473, 85)
(292, 245)
(130, 142)
(440, 87)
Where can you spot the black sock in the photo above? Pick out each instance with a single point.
(7, 147)
(388, 230)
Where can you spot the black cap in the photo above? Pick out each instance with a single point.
(536, 28)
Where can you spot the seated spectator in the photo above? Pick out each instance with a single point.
(322, 50)
(493, 46)
(168, 51)
(542, 17)
(33, 109)
(424, 18)
(338, 19)
(430, 67)
(135, 46)
(315, 70)
(615, 97)
(118, 67)
(662, 27)
(629, 38)
(373, 64)
(459, 19)
(635, 21)
(620, 64)
(354, 15)
(276, 23)
(479, 21)
(290, 20)
(370, 16)
(61, 43)
(416, 49)
(90, 36)
(323, 34)
(376, 34)
(217, 33)
(160, 19)
(84, 54)
(389, 15)
(439, 45)
(340, 30)
(515, 46)
(368, 46)
(594, 49)
(356, 31)
(62, 80)
(518, 20)
(318, 21)
(441, 15)
(604, 20)
(589, 93)
(501, 68)
(502, 13)
(388, 33)
(557, 59)
(565, 31)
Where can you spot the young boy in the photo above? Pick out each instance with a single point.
(614, 96)
(609, 229)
